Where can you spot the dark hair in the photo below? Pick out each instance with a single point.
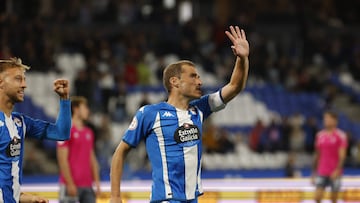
(76, 101)
(174, 70)
(331, 113)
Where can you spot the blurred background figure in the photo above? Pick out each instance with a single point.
(78, 165)
(331, 144)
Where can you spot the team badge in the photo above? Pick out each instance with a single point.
(17, 122)
(133, 124)
(192, 110)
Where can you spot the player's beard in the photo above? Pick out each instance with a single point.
(16, 98)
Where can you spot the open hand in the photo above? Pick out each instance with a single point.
(240, 45)
(61, 87)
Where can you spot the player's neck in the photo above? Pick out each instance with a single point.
(178, 102)
(78, 123)
(330, 129)
(6, 106)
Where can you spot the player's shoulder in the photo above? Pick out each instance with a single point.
(341, 133)
(18, 118)
(151, 108)
(321, 132)
(149, 111)
(16, 114)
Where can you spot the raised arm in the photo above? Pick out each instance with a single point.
(240, 48)
(61, 129)
(117, 165)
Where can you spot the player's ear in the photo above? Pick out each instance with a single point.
(174, 81)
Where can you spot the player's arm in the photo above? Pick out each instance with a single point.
(60, 130)
(239, 75)
(314, 166)
(62, 157)
(339, 166)
(95, 171)
(315, 162)
(117, 165)
(29, 198)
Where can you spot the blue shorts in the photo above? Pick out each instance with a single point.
(325, 181)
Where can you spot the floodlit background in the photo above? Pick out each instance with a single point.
(305, 58)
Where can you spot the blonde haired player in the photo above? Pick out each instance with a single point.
(14, 127)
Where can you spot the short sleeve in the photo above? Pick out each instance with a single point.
(62, 144)
(343, 140)
(209, 103)
(137, 129)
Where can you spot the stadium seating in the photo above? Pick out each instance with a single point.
(262, 102)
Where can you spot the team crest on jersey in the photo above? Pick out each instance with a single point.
(187, 135)
(14, 147)
(192, 110)
(133, 124)
(2, 123)
(17, 122)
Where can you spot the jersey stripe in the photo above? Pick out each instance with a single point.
(199, 183)
(190, 158)
(1, 196)
(160, 137)
(15, 170)
(16, 184)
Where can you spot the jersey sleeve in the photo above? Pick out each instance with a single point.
(210, 103)
(63, 144)
(60, 130)
(138, 128)
(343, 140)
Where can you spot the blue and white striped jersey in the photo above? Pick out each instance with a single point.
(174, 146)
(13, 130)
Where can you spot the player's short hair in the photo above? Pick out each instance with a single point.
(174, 70)
(331, 113)
(76, 101)
(12, 63)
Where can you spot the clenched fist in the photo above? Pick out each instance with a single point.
(61, 87)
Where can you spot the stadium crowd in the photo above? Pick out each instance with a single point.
(110, 46)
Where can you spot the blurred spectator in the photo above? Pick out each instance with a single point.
(310, 129)
(117, 102)
(290, 168)
(271, 138)
(297, 134)
(226, 145)
(255, 135)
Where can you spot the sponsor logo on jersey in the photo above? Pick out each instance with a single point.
(187, 134)
(167, 114)
(133, 124)
(14, 147)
